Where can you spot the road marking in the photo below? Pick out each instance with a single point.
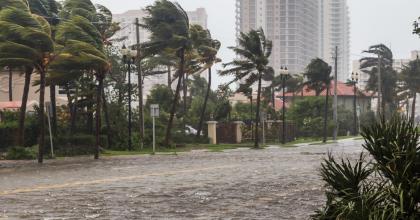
(108, 180)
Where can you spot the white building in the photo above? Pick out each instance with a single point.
(128, 31)
(335, 32)
(292, 25)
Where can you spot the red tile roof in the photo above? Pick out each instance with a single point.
(342, 90)
(10, 105)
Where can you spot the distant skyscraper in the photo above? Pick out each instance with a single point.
(335, 31)
(292, 25)
(301, 30)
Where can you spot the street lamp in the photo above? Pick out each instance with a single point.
(129, 57)
(354, 82)
(284, 75)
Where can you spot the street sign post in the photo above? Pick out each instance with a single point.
(154, 112)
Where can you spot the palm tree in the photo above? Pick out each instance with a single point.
(207, 49)
(48, 9)
(26, 41)
(410, 78)
(254, 50)
(82, 51)
(168, 24)
(382, 58)
(318, 74)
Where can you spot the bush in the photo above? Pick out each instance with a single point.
(21, 153)
(387, 186)
(9, 129)
(78, 144)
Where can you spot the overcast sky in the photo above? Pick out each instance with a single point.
(372, 21)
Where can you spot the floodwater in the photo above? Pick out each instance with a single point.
(275, 183)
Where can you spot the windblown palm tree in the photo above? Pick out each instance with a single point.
(168, 24)
(382, 55)
(207, 49)
(26, 41)
(82, 51)
(318, 74)
(410, 78)
(252, 66)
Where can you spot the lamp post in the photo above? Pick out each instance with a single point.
(284, 75)
(354, 82)
(129, 57)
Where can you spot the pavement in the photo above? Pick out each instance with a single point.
(273, 183)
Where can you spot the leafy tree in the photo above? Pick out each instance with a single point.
(318, 74)
(254, 50)
(26, 41)
(381, 54)
(168, 24)
(410, 83)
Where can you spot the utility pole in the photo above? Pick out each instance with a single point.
(140, 84)
(335, 94)
(379, 85)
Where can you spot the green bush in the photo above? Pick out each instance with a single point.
(385, 185)
(9, 129)
(21, 153)
(78, 144)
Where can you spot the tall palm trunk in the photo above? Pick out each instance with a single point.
(203, 110)
(98, 116)
(326, 114)
(41, 143)
(22, 114)
(107, 120)
(257, 117)
(53, 109)
(169, 77)
(175, 101)
(413, 108)
(10, 84)
(185, 102)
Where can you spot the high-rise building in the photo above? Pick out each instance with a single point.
(301, 30)
(292, 25)
(335, 32)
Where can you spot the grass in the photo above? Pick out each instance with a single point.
(173, 151)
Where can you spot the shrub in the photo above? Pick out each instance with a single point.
(21, 153)
(8, 133)
(78, 144)
(387, 187)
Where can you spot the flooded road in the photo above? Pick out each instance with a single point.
(274, 183)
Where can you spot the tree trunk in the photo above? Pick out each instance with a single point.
(203, 110)
(73, 113)
(141, 110)
(252, 113)
(175, 101)
(41, 143)
(185, 102)
(10, 84)
(257, 116)
(355, 111)
(326, 115)
(22, 114)
(273, 97)
(107, 121)
(98, 116)
(89, 121)
(169, 77)
(413, 108)
(53, 109)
